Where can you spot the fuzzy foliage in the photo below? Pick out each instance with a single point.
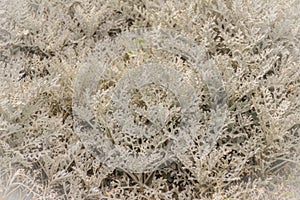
(47, 47)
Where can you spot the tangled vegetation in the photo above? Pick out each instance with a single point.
(49, 49)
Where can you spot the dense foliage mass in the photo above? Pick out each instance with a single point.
(68, 73)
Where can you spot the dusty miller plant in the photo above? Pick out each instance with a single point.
(47, 49)
(138, 116)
